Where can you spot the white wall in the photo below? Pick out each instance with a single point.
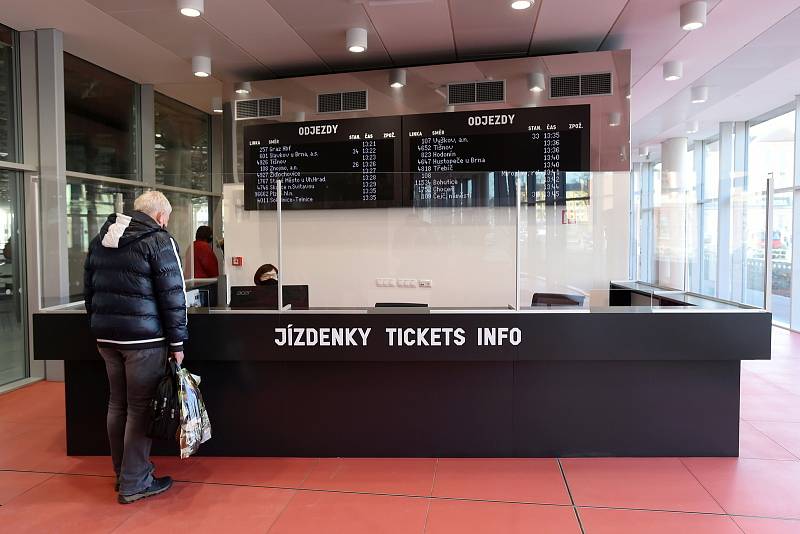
(468, 253)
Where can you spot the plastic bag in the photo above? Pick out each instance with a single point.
(195, 425)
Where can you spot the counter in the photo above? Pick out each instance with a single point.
(614, 381)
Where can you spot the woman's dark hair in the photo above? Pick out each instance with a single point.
(267, 267)
(204, 233)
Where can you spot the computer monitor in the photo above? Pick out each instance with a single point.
(266, 297)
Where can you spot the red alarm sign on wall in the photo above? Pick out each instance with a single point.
(237, 261)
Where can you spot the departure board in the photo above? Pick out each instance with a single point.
(473, 158)
(347, 163)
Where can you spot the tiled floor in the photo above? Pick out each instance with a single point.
(43, 490)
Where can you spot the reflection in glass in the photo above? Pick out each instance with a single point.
(771, 152)
(181, 144)
(8, 151)
(782, 257)
(13, 359)
(89, 204)
(100, 120)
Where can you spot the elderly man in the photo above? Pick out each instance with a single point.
(134, 292)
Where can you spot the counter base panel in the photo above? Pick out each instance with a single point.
(443, 409)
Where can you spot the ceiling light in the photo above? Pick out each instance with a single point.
(692, 127)
(216, 104)
(397, 78)
(672, 70)
(299, 116)
(201, 66)
(158, 135)
(242, 88)
(536, 82)
(357, 40)
(521, 4)
(190, 8)
(628, 96)
(644, 151)
(615, 118)
(693, 15)
(699, 94)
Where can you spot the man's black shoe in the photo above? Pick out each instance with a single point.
(159, 485)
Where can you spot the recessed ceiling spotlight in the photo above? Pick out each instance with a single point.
(628, 96)
(201, 66)
(693, 15)
(216, 104)
(521, 4)
(672, 70)
(699, 94)
(357, 40)
(397, 78)
(299, 116)
(615, 118)
(692, 127)
(536, 82)
(242, 88)
(158, 135)
(190, 8)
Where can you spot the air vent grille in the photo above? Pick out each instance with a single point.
(565, 86)
(347, 101)
(598, 84)
(258, 109)
(476, 92)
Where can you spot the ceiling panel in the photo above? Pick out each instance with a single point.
(187, 37)
(323, 24)
(726, 32)
(258, 29)
(415, 33)
(649, 29)
(574, 25)
(491, 28)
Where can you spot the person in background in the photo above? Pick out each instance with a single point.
(266, 275)
(205, 261)
(134, 296)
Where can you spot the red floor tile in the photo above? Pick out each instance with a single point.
(782, 406)
(752, 525)
(785, 434)
(41, 402)
(597, 521)
(206, 508)
(470, 517)
(768, 488)
(536, 480)
(66, 503)
(396, 476)
(314, 512)
(753, 443)
(13, 484)
(273, 472)
(646, 483)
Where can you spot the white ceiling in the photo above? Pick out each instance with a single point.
(148, 41)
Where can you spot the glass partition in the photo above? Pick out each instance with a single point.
(13, 360)
(182, 140)
(100, 120)
(8, 131)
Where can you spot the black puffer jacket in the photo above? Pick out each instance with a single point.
(133, 285)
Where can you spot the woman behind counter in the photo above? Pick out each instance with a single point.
(205, 261)
(266, 275)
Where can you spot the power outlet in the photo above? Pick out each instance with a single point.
(426, 283)
(406, 282)
(385, 282)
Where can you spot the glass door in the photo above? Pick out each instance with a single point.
(13, 316)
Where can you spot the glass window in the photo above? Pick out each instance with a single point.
(13, 355)
(8, 134)
(782, 257)
(100, 120)
(771, 152)
(181, 144)
(711, 170)
(708, 267)
(89, 203)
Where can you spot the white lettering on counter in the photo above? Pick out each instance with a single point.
(499, 336)
(321, 129)
(425, 337)
(490, 120)
(321, 337)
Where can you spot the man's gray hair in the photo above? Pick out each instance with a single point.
(152, 202)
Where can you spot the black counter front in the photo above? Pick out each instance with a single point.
(602, 382)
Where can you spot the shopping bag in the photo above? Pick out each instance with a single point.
(195, 427)
(165, 409)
